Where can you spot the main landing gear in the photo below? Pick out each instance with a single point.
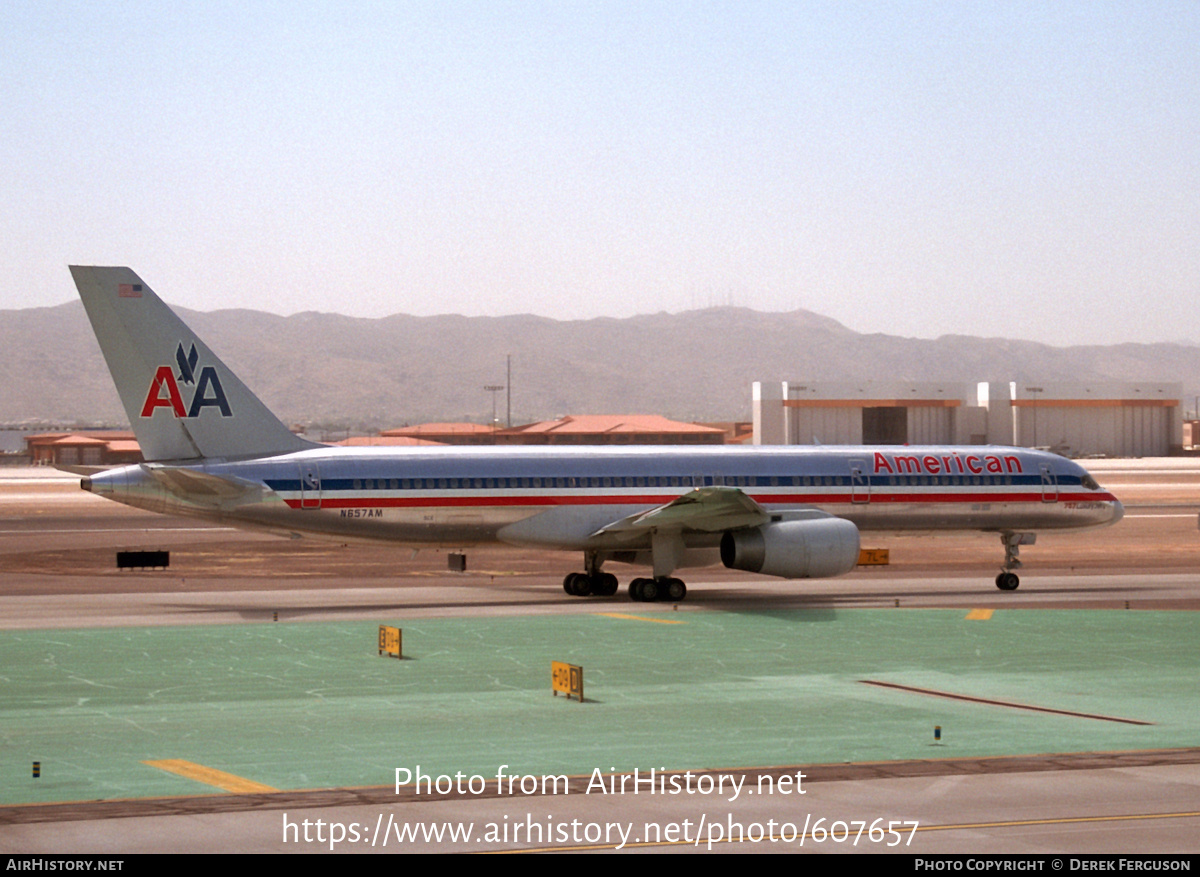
(1007, 580)
(580, 584)
(649, 590)
(598, 584)
(594, 583)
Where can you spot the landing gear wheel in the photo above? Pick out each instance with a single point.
(644, 590)
(676, 590)
(1007, 581)
(578, 584)
(605, 584)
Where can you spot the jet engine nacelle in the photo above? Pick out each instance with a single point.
(810, 549)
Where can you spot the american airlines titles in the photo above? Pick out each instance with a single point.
(947, 464)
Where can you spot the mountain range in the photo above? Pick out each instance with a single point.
(335, 372)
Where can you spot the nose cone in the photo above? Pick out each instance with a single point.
(1118, 511)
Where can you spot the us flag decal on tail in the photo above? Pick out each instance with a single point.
(129, 290)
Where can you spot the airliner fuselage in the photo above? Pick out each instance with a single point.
(215, 451)
(560, 498)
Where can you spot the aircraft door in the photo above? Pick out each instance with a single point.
(860, 482)
(1049, 484)
(310, 486)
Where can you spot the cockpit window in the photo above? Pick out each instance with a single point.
(1089, 482)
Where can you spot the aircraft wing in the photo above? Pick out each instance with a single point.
(704, 510)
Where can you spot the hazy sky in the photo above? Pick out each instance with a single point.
(1021, 169)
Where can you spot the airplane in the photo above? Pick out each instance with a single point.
(214, 451)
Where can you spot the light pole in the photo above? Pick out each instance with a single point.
(1035, 391)
(494, 389)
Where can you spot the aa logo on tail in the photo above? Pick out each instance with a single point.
(205, 386)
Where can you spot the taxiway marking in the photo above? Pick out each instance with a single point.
(639, 618)
(950, 695)
(210, 776)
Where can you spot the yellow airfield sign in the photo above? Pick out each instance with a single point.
(873, 557)
(389, 641)
(566, 678)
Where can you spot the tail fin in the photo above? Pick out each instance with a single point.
(183, 402)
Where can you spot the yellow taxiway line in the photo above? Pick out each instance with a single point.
(210, 776)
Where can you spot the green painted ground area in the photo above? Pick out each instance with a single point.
(297, 706)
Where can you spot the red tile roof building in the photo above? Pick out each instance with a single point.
(84, 448)
(611, 429)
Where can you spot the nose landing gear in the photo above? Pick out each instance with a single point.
(1012, 542)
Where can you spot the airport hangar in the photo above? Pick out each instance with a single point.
(1076, 420)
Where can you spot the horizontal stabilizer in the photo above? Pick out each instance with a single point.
(203, 487)
(80, 469)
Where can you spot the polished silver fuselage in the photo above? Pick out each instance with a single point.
(563, 498)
